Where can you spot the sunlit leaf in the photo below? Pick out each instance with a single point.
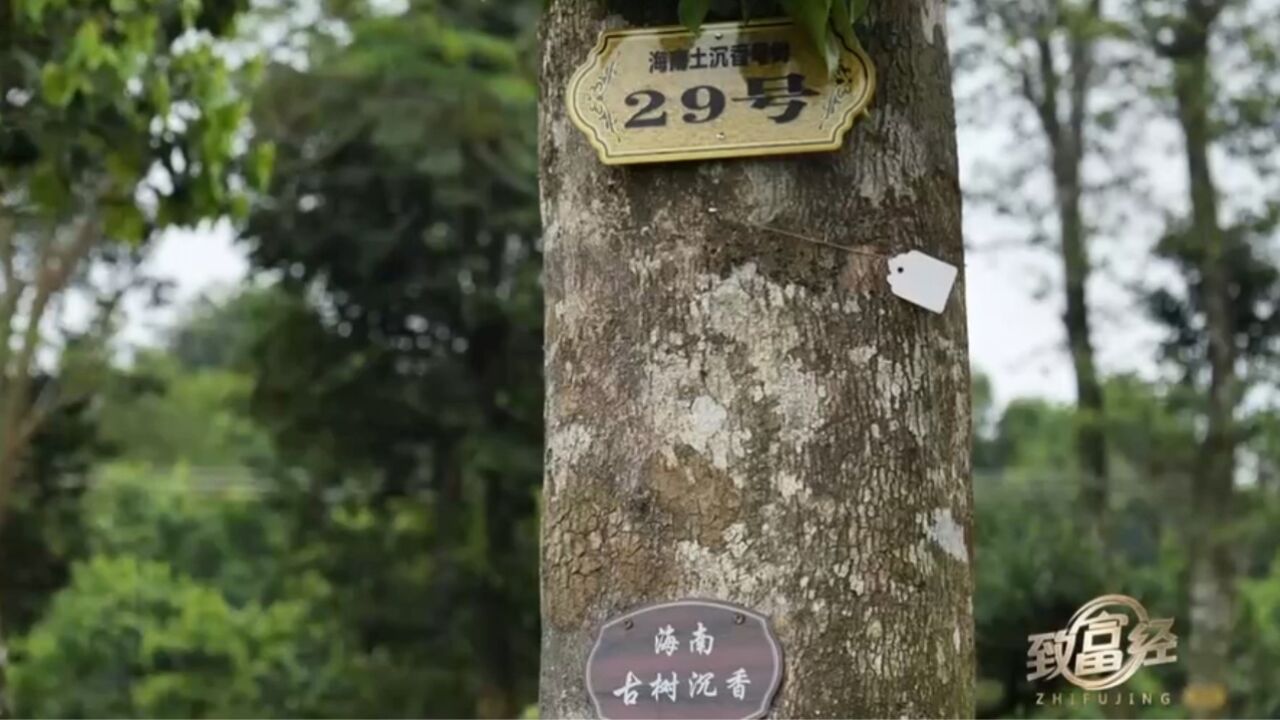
(261, 162)
(87, 47)
(693, 13)
(124, 223)
(57, 85)
(813, 16)
(48, 188)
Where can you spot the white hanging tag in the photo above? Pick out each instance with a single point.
(922, 280)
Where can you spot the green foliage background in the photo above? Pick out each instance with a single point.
(822, 20)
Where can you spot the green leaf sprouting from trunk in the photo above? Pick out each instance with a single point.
(693, 12)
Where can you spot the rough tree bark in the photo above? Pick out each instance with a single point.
(733, 415)
(1212, 593)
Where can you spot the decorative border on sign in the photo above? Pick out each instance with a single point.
(598, 105)
(774, 684)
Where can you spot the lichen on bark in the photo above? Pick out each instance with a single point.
(733, 415)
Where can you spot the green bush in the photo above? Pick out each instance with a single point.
(135, 639)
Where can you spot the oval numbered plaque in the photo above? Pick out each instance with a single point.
(758, 88)
(694, 659)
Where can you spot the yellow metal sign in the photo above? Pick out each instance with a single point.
(736, 89)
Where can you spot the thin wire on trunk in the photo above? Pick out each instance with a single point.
(806, 238)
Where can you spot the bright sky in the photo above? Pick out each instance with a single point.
(198, 261)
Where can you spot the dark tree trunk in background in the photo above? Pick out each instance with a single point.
(1069, 154)
(1065, 130)
(1091, 444)
(6, 704)
(733, 415)
(1212, 592)
(8, 477)
(497, 690)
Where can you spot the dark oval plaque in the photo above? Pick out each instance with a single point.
(694, 659)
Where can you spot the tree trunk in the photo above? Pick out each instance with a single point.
(8, 477)
(1212, 570)
(1065, 130)
(1091, 445)
(733, 415)
(497, 697)
(6, 705)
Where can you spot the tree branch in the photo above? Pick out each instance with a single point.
(1191, 31)
(1082, 68)
(1047, 109)
(12, 295)
(53, 271)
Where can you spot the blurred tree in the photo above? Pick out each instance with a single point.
(160, 412)
(209, 524)
(404, 373)
(1220, 314)
(1224, 323)
(1034, 570)
(985, 416)
(215, 333)
(115, 121)
(110, 131)
(182, 609)
(1256, 638)
(233, 536)
(1047, 50)
(1033, 434)
(40, 539)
